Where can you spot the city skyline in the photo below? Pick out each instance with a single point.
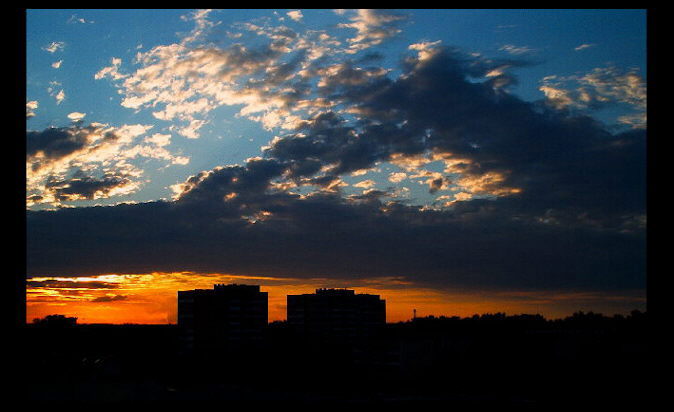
(405, 304)
(451, 161)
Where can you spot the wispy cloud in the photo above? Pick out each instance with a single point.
(517, 50)
(503, 27)
(584, 46)
(74, 19)
(111, 71)
(60, 96)
(372, 27)
(53, 47)
(599, 88)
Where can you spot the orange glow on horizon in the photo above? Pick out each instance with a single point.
(151, 298)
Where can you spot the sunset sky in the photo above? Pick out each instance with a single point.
(452, 161)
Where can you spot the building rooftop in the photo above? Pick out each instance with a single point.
(219, 289)
(335, 292)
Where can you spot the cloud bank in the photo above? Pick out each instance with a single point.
(545, 198)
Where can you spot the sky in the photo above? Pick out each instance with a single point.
(452, 161)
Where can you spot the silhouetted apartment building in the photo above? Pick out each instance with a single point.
(227, 316)
(336, 314)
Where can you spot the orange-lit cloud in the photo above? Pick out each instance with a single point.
(151, 298)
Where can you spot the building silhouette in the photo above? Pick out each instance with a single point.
(225, 317)
(336, 315)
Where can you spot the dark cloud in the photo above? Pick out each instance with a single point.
(285, 70)
(475, 246)
(55, 142)
(577, 223)
(349, 75)
(81, 186)
(68, 284)
(371, 57)
(436, 184)
(559, 161)
(115, 298)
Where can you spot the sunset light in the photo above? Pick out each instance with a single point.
(151, 298)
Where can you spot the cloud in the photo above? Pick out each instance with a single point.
(396, 116)
(202, 25)
(372, 27)
(295, 15)
(53, 47)
(76, 116)
(602, 87)
(559, 242)
(623, 87)
(159, 139)
(516, 50)
(379, 139)
(30, 108)
(584, 46)
(69, 284)
(364, 93)
(397, 177)
(89, 162)
(636, 120)
(191, 131)
(60, 96)
(270, 81)
(108, 298)
(83, 187)
(57, 64)
(537, 197)
(75, 20)
(54, 143)
(323, 236)
(365, 184)
(187, 83)
(111, 71)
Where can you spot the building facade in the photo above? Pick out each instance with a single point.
(337, 315)
(222, 318)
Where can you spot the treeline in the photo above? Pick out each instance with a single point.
(500, 321)
(516, 359)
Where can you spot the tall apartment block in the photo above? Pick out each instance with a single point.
(225, 317)
(336, 315)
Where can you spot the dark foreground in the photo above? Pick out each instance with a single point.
(524, 361)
